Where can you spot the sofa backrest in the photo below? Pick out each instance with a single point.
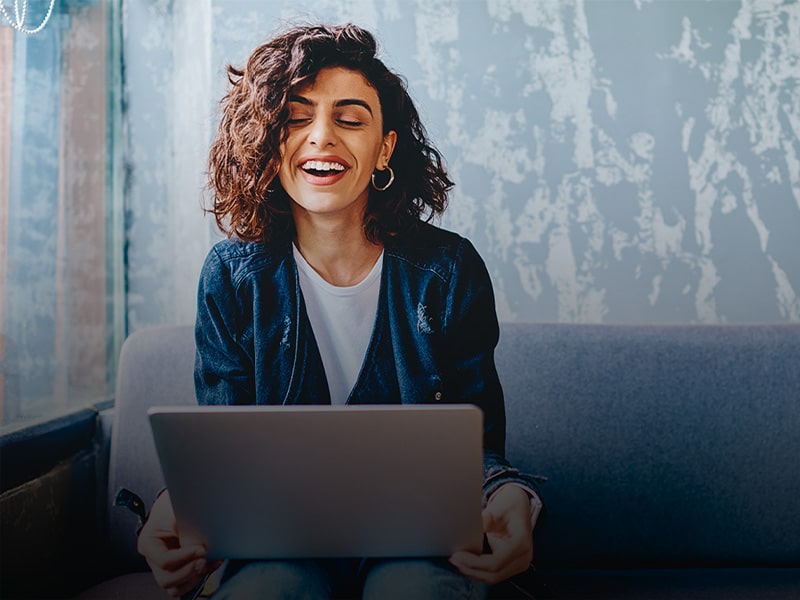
(156, 367)
(664, 445)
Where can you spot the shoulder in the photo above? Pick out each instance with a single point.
(236, 260)
(432, 249)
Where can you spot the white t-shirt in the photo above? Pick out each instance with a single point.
(342, 319)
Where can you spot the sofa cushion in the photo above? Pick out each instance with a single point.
(674, 584)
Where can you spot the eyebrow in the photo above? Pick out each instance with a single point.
(337, 104)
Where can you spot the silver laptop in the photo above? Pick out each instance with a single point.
(324, 481)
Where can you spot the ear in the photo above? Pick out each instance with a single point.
(387, 148)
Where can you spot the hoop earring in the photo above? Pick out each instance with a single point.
(388, 183)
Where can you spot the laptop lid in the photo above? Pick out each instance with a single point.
(324, 481)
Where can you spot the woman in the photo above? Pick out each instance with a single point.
(334, 288)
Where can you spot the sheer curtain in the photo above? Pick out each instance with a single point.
(61, 239)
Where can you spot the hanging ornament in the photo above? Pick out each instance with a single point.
(18, 22)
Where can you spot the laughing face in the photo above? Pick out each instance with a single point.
(335, 141)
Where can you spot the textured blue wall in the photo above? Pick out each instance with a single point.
(615, 161)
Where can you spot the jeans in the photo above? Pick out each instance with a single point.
(370, 579)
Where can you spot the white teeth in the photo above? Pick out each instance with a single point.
(318, 165)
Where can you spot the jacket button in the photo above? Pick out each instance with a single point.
(437, 396)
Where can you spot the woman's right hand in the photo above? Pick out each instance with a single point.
(177, 569)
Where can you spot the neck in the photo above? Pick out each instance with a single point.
(342, 256)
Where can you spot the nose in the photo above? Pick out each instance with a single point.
(322, 133)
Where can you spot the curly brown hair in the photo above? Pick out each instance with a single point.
(248, 199)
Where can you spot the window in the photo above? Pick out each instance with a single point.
(61, 232)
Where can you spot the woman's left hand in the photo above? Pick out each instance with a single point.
(507, 525)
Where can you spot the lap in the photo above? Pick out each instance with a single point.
(372, 579)
(419, 578)
(275, 579)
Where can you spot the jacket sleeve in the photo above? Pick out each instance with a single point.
(223, 372)
(471, 333)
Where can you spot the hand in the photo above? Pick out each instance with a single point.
(177, 569)
(507, 525)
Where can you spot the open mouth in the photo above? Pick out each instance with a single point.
(319, 168)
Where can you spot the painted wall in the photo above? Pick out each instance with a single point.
(615, 160)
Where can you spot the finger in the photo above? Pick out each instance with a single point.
(179, 557)
(489, 577)
(509, 555)
(152, 546)
(511, 536)
(188, 575)
(182, 589)
(159, 556)
(489, 572)
(512, 548)
(156, 539)
(483, 562)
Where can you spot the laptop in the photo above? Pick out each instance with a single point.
(324, 481)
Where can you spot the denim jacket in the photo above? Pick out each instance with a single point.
(433, 340)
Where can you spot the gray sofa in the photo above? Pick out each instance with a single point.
(672, 455)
